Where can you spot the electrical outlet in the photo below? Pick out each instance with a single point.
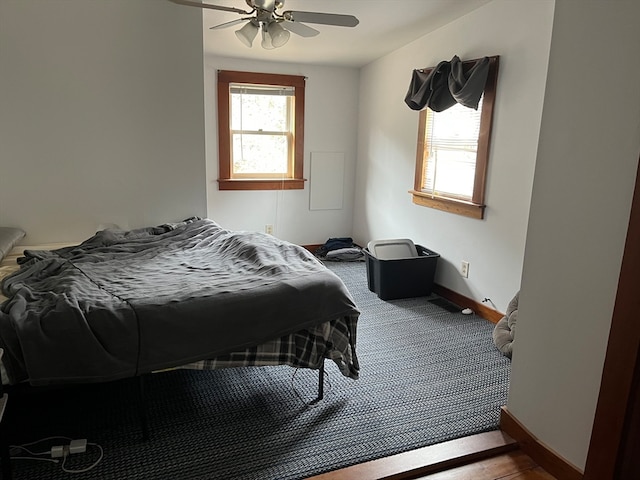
(268, 229)
(464, 269)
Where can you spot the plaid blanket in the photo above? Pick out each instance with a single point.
(334, 340)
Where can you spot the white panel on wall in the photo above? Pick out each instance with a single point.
(327, 180)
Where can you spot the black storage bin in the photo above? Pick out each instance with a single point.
(402, 277)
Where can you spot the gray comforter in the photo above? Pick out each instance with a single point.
(129, 302)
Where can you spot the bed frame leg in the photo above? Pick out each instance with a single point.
(321, 382)
(142, 407)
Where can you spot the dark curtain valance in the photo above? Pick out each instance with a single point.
(448, 83)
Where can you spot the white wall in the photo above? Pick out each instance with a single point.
(583, 185)
(518, 31)
(331, 116)
(101, 115)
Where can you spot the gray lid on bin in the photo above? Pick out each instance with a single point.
(392, 249)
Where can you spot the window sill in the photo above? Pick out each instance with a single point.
(459, 207)
(261, 184)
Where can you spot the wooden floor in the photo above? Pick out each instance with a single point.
(486, 456)
(509, 466)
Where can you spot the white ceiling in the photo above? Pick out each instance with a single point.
(385, 25)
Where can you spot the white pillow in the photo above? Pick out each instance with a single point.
(9, 236)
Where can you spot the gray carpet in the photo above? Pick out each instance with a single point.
(427, 376)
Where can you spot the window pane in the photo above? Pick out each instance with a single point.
(259, 112)
(457, 127)
(451, 138)
(455, 172)
(260, 154)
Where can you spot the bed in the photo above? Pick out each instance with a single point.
(185, 295)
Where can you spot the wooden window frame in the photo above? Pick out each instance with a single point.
(476, 207)
(225, 180)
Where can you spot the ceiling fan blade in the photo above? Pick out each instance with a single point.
(300, 29)
(323, 18)
(229, 24)
(195, 3)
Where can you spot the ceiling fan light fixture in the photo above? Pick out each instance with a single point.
(247, 33)
(265, 15)
(266, 39)
(279, 36)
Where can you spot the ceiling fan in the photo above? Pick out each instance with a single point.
(266, 16)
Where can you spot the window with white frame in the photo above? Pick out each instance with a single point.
(261, 131)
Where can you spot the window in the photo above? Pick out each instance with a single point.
(260, 131)
(453, 153)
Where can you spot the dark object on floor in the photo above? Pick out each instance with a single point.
(340, 250)
(397, 278)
